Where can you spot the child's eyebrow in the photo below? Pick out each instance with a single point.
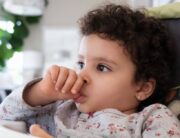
(102, 59)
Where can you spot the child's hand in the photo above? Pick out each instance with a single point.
(37, 131)
(59, 83)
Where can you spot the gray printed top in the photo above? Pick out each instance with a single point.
(62, 120)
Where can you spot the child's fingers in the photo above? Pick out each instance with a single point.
(35, 130)
(72, 77)
(54, 72)
(77, 86)
(63, 75)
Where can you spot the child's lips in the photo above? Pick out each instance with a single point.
(80, 99)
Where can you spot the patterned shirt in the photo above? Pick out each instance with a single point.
(62, 120)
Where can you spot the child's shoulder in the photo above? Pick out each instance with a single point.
(156, 109)
(160, 121)
(158, 114)
(156, 106)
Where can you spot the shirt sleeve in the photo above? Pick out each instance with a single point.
(161, 123)
(15, 108)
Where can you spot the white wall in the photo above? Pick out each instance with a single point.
(61, 13)
(67, 12)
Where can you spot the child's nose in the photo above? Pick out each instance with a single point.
(85, 78)
(85, 75)
(85, 81)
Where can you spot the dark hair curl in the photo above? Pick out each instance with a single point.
(145, 39)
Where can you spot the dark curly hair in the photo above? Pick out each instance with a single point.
(145, 39)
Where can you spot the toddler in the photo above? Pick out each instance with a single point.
(118, 89)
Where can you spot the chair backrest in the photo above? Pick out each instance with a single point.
(173, 26)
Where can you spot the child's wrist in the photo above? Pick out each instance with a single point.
(27, 95)
(42, 94)
(34, 95)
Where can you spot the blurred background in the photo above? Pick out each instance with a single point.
(35, 34)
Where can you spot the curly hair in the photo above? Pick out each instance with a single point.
(145, 39)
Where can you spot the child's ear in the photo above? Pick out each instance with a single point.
(145, 89)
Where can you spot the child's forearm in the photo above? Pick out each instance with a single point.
(34, 96)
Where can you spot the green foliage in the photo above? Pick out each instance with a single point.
(13, 41)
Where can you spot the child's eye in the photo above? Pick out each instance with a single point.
(102, 68)
(80, 64)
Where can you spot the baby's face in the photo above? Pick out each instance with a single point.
(109, 73)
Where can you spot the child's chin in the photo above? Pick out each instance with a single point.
(82, 108)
